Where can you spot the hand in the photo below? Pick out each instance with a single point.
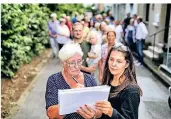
(54, 36)
(87, 112)
(105, 107)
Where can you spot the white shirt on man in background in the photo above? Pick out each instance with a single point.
(141, 31)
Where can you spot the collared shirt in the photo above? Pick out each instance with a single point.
(52, 26)
(141, 31)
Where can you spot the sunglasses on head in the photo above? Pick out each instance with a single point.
(119, 46)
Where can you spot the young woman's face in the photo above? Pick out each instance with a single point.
(117, 62)
(73, 65)
(111, 38)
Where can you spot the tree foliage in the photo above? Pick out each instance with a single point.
(24, 32)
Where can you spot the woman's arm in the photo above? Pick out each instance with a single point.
(53, 112)
(92, 55)
(129, 107)
(51, 97)
(89, 69)
(100, 70)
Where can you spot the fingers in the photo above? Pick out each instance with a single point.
(86, 112)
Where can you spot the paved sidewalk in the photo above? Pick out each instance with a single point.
(153, 103)
(34, 104)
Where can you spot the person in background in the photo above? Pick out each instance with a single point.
(52, 27)
(141, 34)
(95, 53)
(71, 60)
(111, 41)
(130, 35)
(99, 35)
(85, 46)
(127, 21)
(135, 20)
(104, 36)
(124, 97)
(119, 31)
(102, 27)
(85, 30)
(74, 18)
(110, 17)
(63, 33)
(69, 25)
(64, 16)
(91, 25)
(104, 16)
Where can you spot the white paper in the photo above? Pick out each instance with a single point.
(71, 100)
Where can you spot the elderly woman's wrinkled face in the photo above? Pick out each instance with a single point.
(73, 65)
(117, 62)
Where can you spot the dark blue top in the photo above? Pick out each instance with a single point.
(55, 82)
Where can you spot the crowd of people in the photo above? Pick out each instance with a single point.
(97, 51)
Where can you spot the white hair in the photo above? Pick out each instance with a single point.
(69, 50)
(53, 15)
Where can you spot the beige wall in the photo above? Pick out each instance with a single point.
(161, 10)
(170, 31)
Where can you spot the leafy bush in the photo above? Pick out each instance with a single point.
(24, 35)
(24, 32)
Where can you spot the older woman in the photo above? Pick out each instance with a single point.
(63, 33)
(111, 35)
(124, 97)
(71, 60)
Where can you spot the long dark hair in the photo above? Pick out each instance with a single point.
(129, 73)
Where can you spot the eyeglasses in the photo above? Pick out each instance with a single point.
(119, 46)
(74, 64)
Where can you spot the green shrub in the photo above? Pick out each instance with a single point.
(24, 32)
(24, 35)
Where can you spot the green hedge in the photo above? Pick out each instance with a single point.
(24, 32)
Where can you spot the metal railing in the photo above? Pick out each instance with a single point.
(154, 40)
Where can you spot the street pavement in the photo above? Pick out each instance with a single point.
(153, 102)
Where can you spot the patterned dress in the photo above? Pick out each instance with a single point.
(56, 82)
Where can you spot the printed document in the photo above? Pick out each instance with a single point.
(71, 100)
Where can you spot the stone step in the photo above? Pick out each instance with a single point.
(157, 50)
(149, 54)
(160, 45)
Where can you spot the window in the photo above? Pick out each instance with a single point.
(147, 12)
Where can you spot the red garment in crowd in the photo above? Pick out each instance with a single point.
(69, 24)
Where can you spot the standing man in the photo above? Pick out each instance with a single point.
(141, 34)
(52, 27)
(127, 21)
(85, 46)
